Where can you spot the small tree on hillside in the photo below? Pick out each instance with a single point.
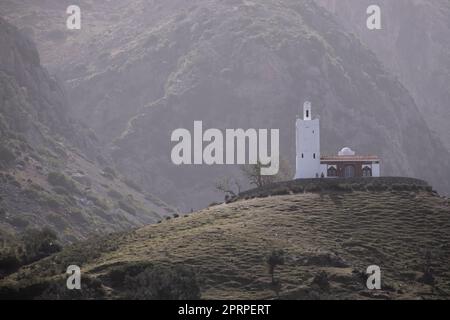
(427, 277)
(254, 176)
(252, 172)
(230, 186)
(276, 258)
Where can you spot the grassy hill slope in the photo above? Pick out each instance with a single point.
(329, 238)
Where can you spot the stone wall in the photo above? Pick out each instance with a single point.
(337, 185)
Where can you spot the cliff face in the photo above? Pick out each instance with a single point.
(414, 45)
(139, 70)
(29, 95)
(47, 175)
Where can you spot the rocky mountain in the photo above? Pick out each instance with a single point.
(52, 172)
(414, 45)
(325, 240)
(137, 70)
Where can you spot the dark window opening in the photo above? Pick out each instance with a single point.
(303, 156)
(307, 113)
(367, 172)
(314, 156)
(332, 172)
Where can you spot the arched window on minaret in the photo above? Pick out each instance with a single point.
(307, 110)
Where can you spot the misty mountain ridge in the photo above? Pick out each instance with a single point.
(138, 70)
(136, 74)
(52, 171)
(413, 44)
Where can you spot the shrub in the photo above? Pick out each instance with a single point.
(213, 204)
(358, 187)
(18, 222)
(38, 244)
(428, 276)
(30, 194)
(79, 253)
(280, 191)
(8, 262)
(110, 171)
(312, 188)
(7, 157)
(297, 189)
(27, 292)
(126, 207)
(57, 221)
(275, 259)
(115, 194)
(107, 175)
(132, 185)
(162, 283)
(60, 191)
(101, 203)
(78, 216)
(344, 187)
(58, 179)
(55, 289)
(50, 202)
(321, 280)
(91, 289)
(381, 187)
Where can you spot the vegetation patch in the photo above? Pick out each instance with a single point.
(7, 156)
(144, 281)
(127, 207)
(58, 179)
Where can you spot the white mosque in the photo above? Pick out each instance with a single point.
(310, 164)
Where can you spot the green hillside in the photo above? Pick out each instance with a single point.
(329, 238)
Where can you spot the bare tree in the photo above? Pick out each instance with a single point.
(254, 176)
(252, 172)
(230, 186)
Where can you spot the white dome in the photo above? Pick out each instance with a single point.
(346, 152)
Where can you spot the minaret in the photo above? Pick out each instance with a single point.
(307, 145)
